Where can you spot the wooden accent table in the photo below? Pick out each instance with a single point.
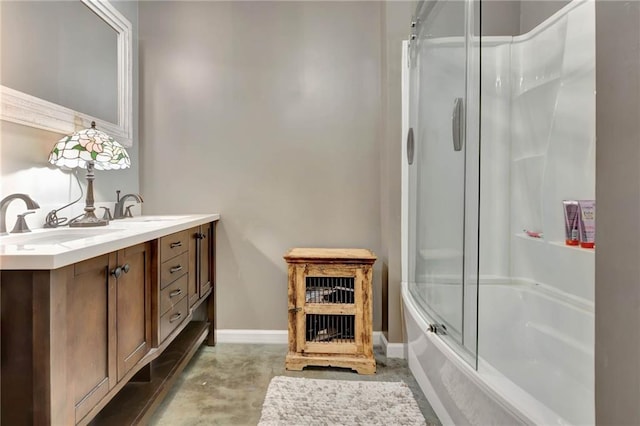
(330, 309)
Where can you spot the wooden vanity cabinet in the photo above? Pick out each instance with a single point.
(70, 335)
(73, 337)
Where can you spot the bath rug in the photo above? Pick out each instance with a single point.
(300, 401)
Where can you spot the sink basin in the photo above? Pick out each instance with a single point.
(54, 236)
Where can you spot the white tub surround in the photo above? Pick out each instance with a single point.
(55, 248)
(552, 132)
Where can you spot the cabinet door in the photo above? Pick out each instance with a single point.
(133, 306)
(192, 289)
(91, 332)
(200, 262)
(328, 306)
(204, 258)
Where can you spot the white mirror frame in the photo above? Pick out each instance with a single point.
(21, 108)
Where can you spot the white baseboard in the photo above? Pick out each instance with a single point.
(393, 350)
(272, 337)
(377, 338)
(252, 336)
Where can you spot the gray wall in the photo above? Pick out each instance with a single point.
(269, 113)
(499, 18)
(618, 193)
(514, 17)
(533, 12)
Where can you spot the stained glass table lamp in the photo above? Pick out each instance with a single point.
(89, 149)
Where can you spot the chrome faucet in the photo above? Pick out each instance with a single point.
(119, 211)
(31, 205)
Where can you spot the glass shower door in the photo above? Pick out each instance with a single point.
(437, 175)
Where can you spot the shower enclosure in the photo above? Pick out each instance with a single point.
(499, 127)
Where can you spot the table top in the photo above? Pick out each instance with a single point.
(330, 255)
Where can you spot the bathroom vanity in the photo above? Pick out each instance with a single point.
(97, 323)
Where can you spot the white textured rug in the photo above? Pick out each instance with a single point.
(300, 401)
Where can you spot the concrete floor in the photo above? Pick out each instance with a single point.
(227, 384)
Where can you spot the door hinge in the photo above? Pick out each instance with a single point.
(295, 309)
(438, 329)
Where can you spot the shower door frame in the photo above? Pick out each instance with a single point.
(466, 343)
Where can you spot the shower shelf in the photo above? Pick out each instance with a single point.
(575, 248)
(554, 243)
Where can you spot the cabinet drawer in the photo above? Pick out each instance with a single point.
(173, 269)
(171, 295)
(173, 318)
(174, 244)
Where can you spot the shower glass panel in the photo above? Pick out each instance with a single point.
(439, 184)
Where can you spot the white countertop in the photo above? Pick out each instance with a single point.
(55, 248)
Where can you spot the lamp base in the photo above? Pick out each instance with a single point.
(88, 220)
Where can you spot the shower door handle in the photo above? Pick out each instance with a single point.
(456, 124)
(410, 146)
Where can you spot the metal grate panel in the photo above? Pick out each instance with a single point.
(330, 328)
(330, 290)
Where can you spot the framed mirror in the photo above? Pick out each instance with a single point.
(66, 64)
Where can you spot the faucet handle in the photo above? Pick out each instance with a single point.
(107, 213)
(127, 211)
(21, 223)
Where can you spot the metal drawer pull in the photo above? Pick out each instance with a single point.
(116, 272)
(175, 269)
(176, 244)
(175, 317)
(175, 293)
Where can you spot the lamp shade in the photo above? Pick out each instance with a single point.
(89, 146)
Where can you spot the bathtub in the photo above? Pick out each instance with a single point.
(535, 363)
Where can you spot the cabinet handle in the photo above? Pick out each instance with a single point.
(175, 317)
(176, 244)
(125, 268)
(201, 236)
(175, 293)
(116, 272)
(175, 269)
